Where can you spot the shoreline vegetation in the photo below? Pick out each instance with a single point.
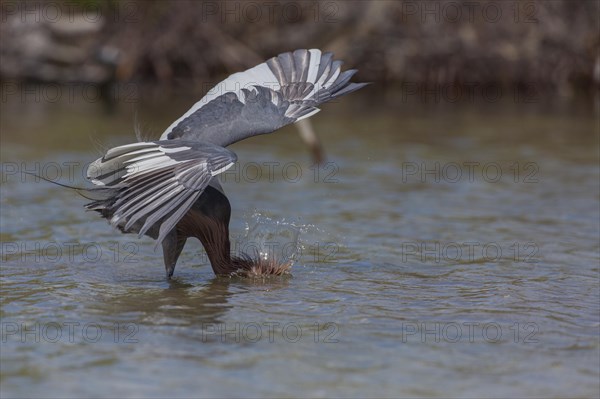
(548, 46)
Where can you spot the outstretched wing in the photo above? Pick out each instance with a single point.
(282, 90)
(155, 182)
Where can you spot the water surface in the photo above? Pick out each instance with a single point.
(443, 251)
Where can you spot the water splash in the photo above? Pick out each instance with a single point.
(285, 240)
(268, 238)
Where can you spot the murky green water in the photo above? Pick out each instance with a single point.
(445, 250)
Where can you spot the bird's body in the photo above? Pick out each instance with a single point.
(168, 189)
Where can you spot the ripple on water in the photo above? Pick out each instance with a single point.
(370, 308)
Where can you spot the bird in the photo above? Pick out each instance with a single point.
(169, 190)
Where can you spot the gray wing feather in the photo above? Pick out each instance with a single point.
(301, 59)
(325, 64)
(290, 87)
(159, 187)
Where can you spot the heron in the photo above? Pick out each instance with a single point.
(169, 190)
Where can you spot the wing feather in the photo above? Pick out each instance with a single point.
(280, 91)
(155, 183)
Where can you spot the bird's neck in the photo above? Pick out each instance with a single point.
(214, 236)
(218, 250)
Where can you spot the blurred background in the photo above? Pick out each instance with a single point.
(450, 233)
(134, 57)
(181, 43)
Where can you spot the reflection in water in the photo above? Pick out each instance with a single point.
(181, 303)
